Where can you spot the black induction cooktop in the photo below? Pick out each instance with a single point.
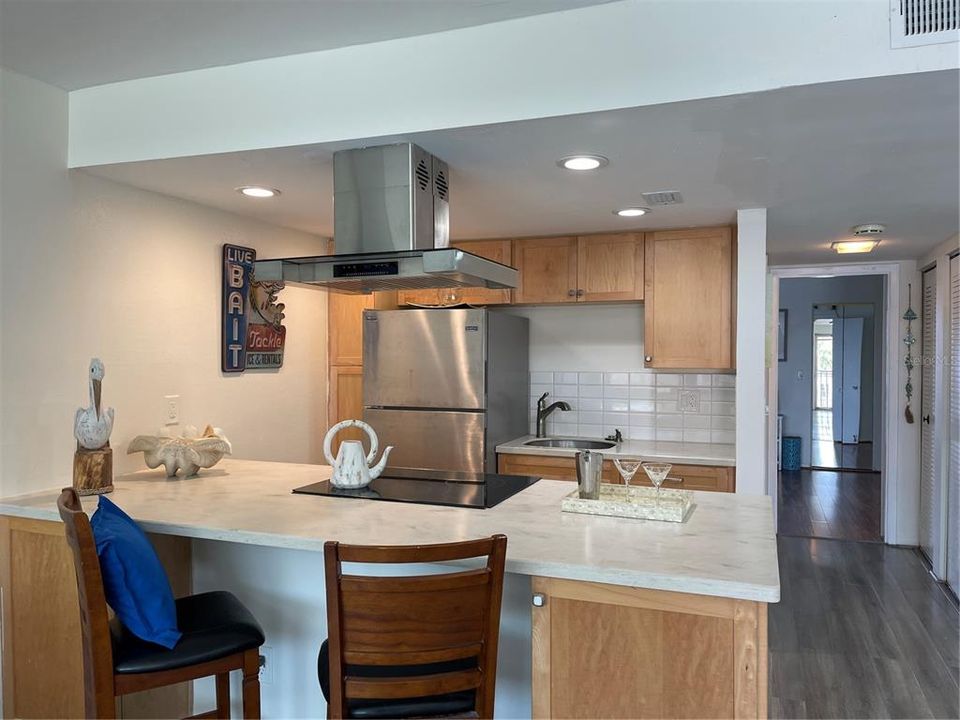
(431, 487)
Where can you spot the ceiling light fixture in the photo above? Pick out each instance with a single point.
(582, 162)
(854, 246)
(631, 212)
(257, 191)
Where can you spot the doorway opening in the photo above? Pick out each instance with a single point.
(831, 399)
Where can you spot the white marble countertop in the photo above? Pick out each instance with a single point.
(680, 453)
(727, 547)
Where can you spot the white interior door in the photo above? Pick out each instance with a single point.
(953, 465)
(837, 379)
(852, 351)
(929, 486)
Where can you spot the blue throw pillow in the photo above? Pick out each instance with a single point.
(134, 581)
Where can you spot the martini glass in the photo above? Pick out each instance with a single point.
(627, 469)
(657, 472)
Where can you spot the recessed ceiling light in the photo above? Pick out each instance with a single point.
(854, 246)
(631, 212)
(258, 191)
(582, 162)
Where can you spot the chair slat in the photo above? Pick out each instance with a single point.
(419, 686)
(418, 657)
(440, 552)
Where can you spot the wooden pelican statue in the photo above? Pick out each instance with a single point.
(92, 427)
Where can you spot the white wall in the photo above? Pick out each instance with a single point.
(614, 55)
(797, 297)
(92, 268)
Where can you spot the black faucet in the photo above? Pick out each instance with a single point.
(617, 437)
(543, 412)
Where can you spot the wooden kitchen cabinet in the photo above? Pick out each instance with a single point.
(588, 268)
(345, 323)
(619, 652)
(500, 251)
(689, 299)
(610, 267)
(683, 477)
(345, 401)
(547, 268)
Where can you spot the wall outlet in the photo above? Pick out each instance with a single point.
(267, 662)
(689, 401)
(171, 412)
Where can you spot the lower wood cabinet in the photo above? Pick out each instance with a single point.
(684, 477)
(42, 661)
(606, 651)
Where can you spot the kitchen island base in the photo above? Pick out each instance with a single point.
(619, 652)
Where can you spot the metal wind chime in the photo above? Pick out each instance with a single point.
(909, 341)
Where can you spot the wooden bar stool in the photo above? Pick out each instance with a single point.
(219, 635)
(412, 646)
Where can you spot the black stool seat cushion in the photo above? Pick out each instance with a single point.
(457, 703)
(214, 625)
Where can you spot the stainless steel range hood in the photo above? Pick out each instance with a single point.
(391, 229)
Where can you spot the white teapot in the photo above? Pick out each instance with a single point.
(352, 469)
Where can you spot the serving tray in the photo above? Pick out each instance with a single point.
(633, 502)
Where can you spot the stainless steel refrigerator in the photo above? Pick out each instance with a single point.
(445, 386)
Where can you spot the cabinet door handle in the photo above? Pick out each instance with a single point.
(648, 358)
(539, 599)
(571, 293)
(579, 293)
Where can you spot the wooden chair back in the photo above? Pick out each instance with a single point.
(414, 620)
(98, 689)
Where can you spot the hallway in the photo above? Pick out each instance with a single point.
(862, 631)
(830, 504)
(825, 453)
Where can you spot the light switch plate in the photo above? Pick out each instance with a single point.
(689, 401)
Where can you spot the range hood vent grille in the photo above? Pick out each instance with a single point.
(442, 188)
(423, 175)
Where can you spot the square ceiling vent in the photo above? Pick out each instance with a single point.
(662, 197)
(924, 22)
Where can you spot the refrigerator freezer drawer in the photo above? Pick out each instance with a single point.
(438, 440)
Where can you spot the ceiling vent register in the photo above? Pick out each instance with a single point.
(662, 197)
(924, 22)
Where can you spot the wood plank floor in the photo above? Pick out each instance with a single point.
(862, 631)
(830, 504)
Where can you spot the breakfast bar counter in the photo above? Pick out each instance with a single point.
(647, 596)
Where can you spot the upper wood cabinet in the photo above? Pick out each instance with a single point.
(589, 268)
(345, 323)
(548, 270)
(689, 299)
(500, 251)
(610, 267)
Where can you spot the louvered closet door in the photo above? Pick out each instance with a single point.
(953, 466)
(929, 492)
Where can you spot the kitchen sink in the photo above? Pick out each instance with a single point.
(571, 443)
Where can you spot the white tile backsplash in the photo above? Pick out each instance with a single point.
(643, 405)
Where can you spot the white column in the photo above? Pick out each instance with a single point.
(751, 343)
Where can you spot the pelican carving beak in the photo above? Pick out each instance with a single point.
(96, 396)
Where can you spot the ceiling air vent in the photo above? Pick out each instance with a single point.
(662, 197)
(441, 185)
(423, 175)
(924, 22)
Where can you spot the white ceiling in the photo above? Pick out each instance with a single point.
(822, 158)
(80, 43)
